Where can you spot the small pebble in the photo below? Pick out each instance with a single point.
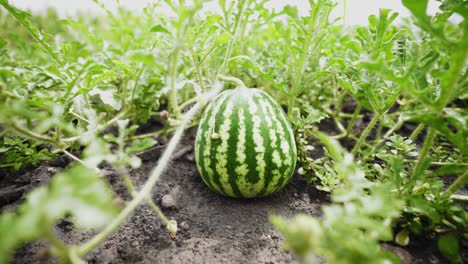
(190, 157)
(305, 197)
(52, 169)
(168, 201)
(184, 226)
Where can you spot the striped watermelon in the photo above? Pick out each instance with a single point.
(245, 145)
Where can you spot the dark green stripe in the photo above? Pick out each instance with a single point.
(200, 143)
(285, 171)
(232, 150)
(251, 161)
(268, 155)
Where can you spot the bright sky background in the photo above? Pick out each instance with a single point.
(357, 11)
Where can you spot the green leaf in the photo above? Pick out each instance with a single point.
(3, 43)
(22, 16)
(77, 192)
(8, 243)
(159, 28)
(417, 7)
(140, 144)
(81, 193)
(452, 125)
(402, 238)
(224, 38)
(449, 246)
(108, 96)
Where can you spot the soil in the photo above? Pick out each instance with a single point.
(212, 228)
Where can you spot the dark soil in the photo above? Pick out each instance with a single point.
(212, 228)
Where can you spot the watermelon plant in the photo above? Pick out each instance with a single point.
(371, 119)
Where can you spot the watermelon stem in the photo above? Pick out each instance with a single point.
(153, 178)
(235, 80)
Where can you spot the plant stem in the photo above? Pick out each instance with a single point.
(57, 243)
(137, 80)
(3, 132)
(150, 183)
(425, 150)
(237, 81)
(366, 132)
(457, 184)
(233, 39)
(379, 132)
(416, 132)
(78, 116)
(159, 132)
(173, 94)
(456, 69)
(33, 135)
(98, 128)
(188, 102)
(290, 105)
(199, 71)
(353, 119)
(310, 40)
(390, 131)
(150, 202)
(73, 157)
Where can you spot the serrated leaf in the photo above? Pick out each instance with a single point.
(22, 16)
(81, 193)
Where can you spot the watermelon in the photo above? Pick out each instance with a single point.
(245, 146)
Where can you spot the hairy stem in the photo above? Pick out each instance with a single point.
(425, 150)
(150, 202)
(457, 184)
(97, 129)
(237, 81)
(290, 105)
(33, 135)
(245, 4)
(353, 119)
(62, 249)
(173, 93)
(189, 102)
(142, 195)
(366, 132)
(199, 71)
(416, 132)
